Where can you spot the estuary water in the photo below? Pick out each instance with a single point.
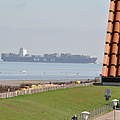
(48, 71)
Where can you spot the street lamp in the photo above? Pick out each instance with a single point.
(85, 115)
(115, 102)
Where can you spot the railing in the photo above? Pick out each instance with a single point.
(100, 111)
(40, 89)
(96, 112)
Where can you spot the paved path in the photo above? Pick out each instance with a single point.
(110, 116)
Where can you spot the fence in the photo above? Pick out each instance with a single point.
(100, 111)
(96, 112)
(40, 89)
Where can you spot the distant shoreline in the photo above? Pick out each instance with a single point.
(19, 82)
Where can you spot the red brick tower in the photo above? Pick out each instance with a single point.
(111, 62)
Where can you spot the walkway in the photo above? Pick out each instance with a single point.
(110, 116)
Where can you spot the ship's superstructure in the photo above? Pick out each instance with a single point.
(48, 58)
(22, 52)
(111, 62)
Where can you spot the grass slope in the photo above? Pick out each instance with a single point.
(54, 105)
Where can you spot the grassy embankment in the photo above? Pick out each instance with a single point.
(54, 105)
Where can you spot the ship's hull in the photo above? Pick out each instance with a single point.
(67, 59)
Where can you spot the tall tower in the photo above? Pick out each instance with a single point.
(111, 62)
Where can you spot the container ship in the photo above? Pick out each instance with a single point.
(23, 56)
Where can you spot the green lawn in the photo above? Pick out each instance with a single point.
(54, 105)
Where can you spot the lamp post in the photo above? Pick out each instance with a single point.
(115, 102)
(85, 115)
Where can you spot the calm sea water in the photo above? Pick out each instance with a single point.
(47, 71)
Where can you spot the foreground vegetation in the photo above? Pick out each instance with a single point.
(54, 105)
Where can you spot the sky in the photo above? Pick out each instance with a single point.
(54, 26)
